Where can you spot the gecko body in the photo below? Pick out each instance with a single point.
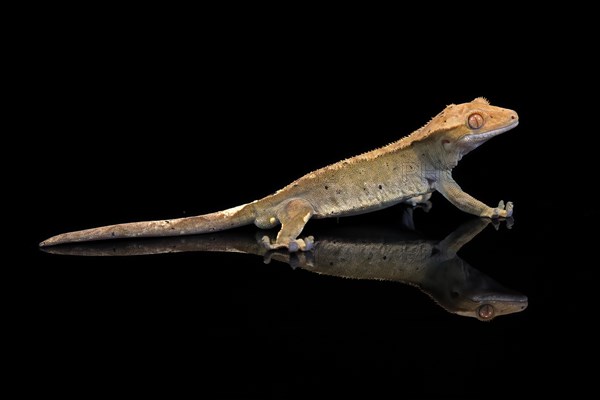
(405, 171)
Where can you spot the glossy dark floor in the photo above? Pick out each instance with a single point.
(135, 139)
(239, 327)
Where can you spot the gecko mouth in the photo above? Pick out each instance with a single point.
(500, 297)
(476, 137)
(474, 140)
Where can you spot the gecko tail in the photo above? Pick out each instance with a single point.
(213, 222)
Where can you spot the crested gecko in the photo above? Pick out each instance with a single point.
(405, 171)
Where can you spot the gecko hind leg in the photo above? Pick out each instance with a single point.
(293, 216)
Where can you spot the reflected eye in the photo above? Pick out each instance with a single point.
(475, 121)
(486, 312)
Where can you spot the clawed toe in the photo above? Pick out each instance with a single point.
(509, 209)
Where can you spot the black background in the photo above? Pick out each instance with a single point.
(159, 119)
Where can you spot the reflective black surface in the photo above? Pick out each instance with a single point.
(243, 327)
(155, 133)
(366, 253)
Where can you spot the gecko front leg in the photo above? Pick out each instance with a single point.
(448, 187)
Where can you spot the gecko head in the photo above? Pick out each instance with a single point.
(465, 291)
(464, 127)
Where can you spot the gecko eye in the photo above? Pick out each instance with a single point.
(475, 121)
(486, 312)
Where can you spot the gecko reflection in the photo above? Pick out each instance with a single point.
(432, 266)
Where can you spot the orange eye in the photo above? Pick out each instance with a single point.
(486, 311)
(475, 121)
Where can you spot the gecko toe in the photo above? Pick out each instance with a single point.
(509, 209)
(293, 246)
(310, 243)
(510, 221)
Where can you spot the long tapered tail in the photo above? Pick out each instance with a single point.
(217, 221)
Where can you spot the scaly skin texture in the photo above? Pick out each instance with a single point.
(407, 171)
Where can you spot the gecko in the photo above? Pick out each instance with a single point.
(406, 171)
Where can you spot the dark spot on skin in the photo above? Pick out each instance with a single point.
(112, 234)
(385, 257)
(338, 191)
(326, 187)
(380, 187)
(330, 262)
(168, 222)
(430, 180)
(512, 117)
(172, 228)
(365, 189)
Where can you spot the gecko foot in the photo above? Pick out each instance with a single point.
(503, 211)
(304, 260)
(299, 259)
(496, 222)
(292, 246)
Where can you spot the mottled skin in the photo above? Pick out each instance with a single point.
(407, 170)
(364, 253)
